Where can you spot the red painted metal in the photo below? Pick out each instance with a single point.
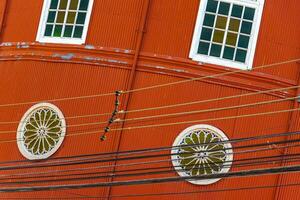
(118, 55)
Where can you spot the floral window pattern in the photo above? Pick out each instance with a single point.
(199, 150)
(41, 131)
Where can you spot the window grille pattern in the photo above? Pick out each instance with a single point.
(226, 30)
(199, 152)
(66, 18)
(41, 131)
(65, 21)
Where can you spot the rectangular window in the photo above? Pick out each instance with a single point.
(226, 32)
(64, 21)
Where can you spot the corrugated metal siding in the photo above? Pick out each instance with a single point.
(114, 24)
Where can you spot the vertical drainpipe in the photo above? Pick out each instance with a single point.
(127, 97)
(3, 10)
(292, 126)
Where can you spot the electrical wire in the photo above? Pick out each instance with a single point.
(167, 106)
(90, 161)
(169, 124)
(126, 165)
(254, 161)
(172, 114)
(210, 76)
(242, 173)
(157, 149)
(150, 87)
(168, 193)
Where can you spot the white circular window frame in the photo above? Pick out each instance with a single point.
(183, 134)
(22, 125)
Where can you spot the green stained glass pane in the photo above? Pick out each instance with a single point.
(60, 17)
(206, 34)
(231, 39)
(218, 36)
(215, 50)
(71, 17)
(221, 22)
(249, 13)
(54, 4)
(209, 20)
(203, 48)
(228, 53)
(73, 5)
(234, 25)
(80, 18)
(78, 31)
(84, 4)
(48, 30)
(68, 31)
(57, 30)
(212, 6)
(224, 8)
(237, 11)
(63, 4)
(51, 16)
(243, 41)
(240, 55)
(246, 27)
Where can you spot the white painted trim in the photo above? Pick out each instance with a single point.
(22, 125)
(258, 5)
(42, 26)
(183, 134)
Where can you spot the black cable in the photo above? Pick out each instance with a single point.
(67, 163)
(113, 174)
(158, 149)
(245, 173)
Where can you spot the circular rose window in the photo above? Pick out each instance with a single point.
(41, 131)
(198, 150)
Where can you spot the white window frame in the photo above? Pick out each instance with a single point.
(42, 26)
(258, 5)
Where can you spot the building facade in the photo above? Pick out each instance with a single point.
(188, 69)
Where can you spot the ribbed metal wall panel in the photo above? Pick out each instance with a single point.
(169, 28)
(234, 128)
(56, 80)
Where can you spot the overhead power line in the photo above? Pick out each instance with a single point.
(266, 160)
(170, 124)
(169, 114)
(243, 173)
(168, 106)
(228, 189)
(157, 149)
(148, 88)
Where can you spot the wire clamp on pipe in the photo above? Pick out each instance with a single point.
(112, 119)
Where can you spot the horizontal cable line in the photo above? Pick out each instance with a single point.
(71, 117)
(168, 106)
(90, 161)
(235, 163)
(226, 166)
(209, 100)
(146, 150)
(191, 192)
(170, 124)
(204, 120)
(210, 76)
(150, 87)
(110, 166)
(209, 110)
(169, 193)
(243, 173)
(174, 114)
